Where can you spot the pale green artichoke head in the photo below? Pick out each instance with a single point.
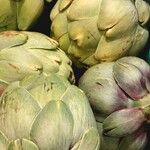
(19, 14)
(100, 30)
(46, 113)
(119, 93)
(24, 53)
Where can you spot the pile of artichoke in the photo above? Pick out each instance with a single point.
(42, 104)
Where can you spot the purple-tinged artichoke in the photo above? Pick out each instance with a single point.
(100, 30)
(119, 93)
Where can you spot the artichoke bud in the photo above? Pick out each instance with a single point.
(92, 29)
(47, 103)
(123, 122)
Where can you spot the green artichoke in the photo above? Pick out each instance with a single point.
(100, 30)
(24, 53)
(19, 14)
(119, 93)
(47, 113)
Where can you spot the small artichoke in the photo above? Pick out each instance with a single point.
(19, 14)
(24, 53)
(119, 93)
(46, 113)
(100, 30)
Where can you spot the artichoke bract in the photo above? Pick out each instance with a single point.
(119, 93)
(24, 53)
(47, 113)
(19, 14)
(100, 30)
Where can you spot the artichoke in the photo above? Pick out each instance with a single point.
(24, 53)
(119, 93)
(19, 14)
(100, 30)
(47, 113)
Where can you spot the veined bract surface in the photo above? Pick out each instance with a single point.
(100, 30)
(46, 113)
(119, 93)
(24, 53)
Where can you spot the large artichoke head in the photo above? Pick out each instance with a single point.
(100, 30)
(19, 14)
(120, 95)
(46, 113)
(24, 53)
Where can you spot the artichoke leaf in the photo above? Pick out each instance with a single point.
(107, 142)
(15, 118)
(90, 140)
(22, 144)
(117, 22)
(20, 57)
(80, 10)
(55, 10)
(34, 38)
(60, 25)
(82, 114)
(123, 122)
(49, 59)
(143, 10)
(111, 49)
(3, 141)
(26, 14)
(141, 65)
(64, 4)
(53, 127)
(44, 89)
(86, 34)
(140, 40)
(130, 79)
(12, 39)
(8, 15)
(16, 70)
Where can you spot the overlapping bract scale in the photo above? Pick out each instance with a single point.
(46, 112)
(100, 30)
